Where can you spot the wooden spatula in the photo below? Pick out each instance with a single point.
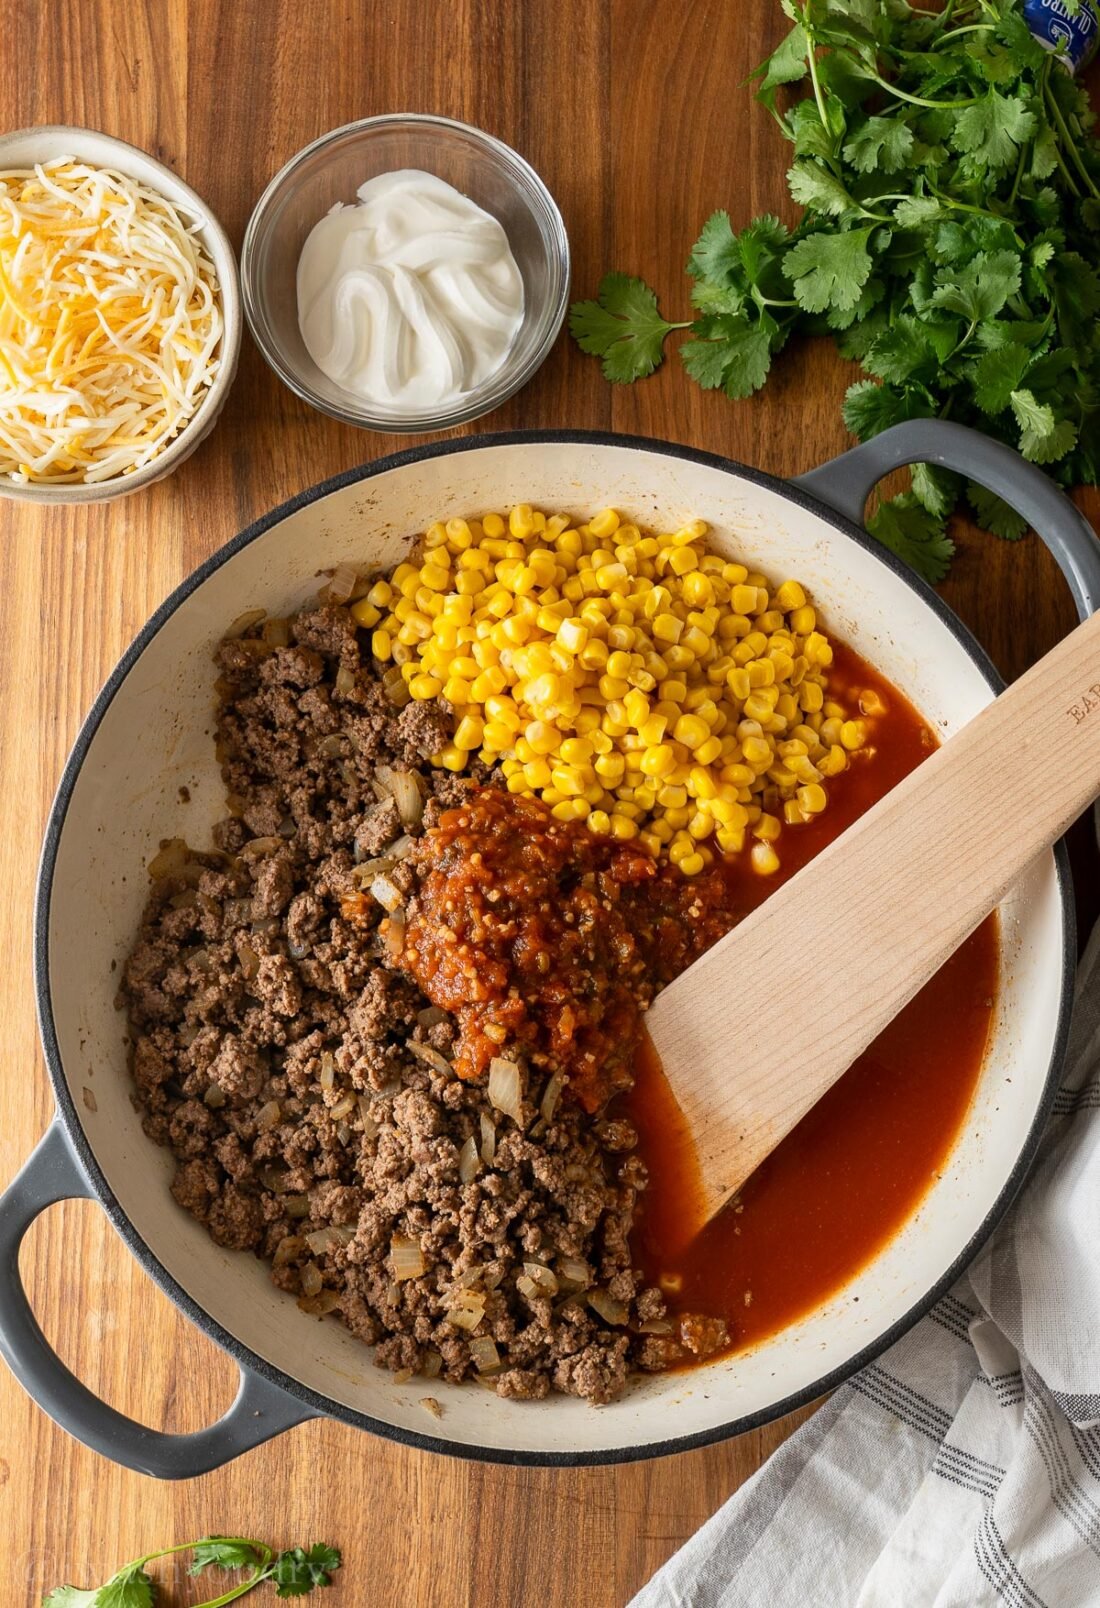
(837, 951)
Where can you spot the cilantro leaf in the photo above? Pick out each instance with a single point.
(759, 243)
(997, 374)
(1047, 446)
(991, 132)
(623, 327)
(733, 353)
(716, 254)
(902, 350)
(710, 298)
(130, 1588)
(297, 1572)
(914, 535)
(70, 1597)
(935, 489)
(869, 408)
(786, 64)
(226, 1552)
(880, 143)
(980, 289)
(815, 188)
(917, 210)
(994, 514)
(829, 270)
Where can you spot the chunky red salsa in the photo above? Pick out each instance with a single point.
(543, 938)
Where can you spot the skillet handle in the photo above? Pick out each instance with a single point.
(261, 1409)
(846, 482)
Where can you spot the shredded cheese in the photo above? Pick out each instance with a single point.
(110, 323)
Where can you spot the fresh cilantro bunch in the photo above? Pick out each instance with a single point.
(950, 184)
(293, 1573)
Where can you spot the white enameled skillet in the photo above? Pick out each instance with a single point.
(148, 735)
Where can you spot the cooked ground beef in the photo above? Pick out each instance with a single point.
(303, 1084)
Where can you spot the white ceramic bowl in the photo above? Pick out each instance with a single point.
(148, 735)
(30, 145)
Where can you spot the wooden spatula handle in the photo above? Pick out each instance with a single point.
(877, 912)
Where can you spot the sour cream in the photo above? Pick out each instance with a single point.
(410, 298)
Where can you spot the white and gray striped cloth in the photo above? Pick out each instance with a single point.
(963, 1468)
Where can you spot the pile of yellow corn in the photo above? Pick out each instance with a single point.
(637, 682)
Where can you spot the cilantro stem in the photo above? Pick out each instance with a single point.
(811, 57)
(971, 27)
(1071, 143)
(917, 100)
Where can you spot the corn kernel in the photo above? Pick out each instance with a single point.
(853, 735)
(691, 730)
(812, 798)
(765, 861)
(622, 827)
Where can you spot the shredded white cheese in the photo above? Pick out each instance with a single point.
(110, 323)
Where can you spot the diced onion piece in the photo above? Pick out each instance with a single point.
(342, 584)
(259, 847)
(484, 1354)
(393, 936)
(215, 1097)
(345, 681)
(406, 1258)
(610, 1310)
(468, 1161)
(268, 1115)
(290, 1246)
(433, 1365)
(249, 959)
(572, 1271)
(276, 633)
(527, 1287)
(367, 870)
(542, 1276)
(328, 1239)
(403, 789)
(343, 1107)
(432, 1058)
(387, 895)
(319, 1306)
(488, 1140)
(472, 1276)
(431, 1016)
(244, 622)
(466, 1310)
(328, 1070)
(171, 860)
(506, 1088)
(367, 1118)
(655, 1326)
(296, 1205)
(402, 847)
(551, 1095)
(311, 1279)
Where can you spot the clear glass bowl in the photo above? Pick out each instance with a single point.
(331, 170)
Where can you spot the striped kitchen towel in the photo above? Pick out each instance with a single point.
(962, 1468)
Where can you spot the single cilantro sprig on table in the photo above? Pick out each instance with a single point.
(950, 186)
(294, 1573)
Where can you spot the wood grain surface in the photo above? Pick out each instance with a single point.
(635, 115)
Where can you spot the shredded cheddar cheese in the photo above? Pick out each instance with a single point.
(110, 323)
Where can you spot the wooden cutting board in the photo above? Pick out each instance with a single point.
(634, 114)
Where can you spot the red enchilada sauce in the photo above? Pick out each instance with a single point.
(547, 941)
